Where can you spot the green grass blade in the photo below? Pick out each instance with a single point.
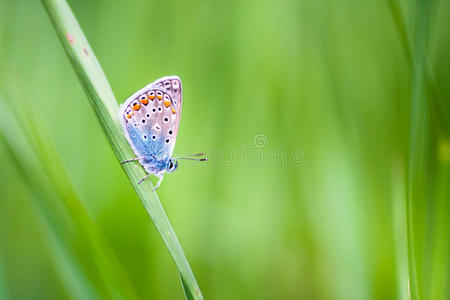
(39, 165)
(105, 106)
(426, 199)
(14, 142)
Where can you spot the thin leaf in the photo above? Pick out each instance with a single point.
(105, 106)
(40, 168)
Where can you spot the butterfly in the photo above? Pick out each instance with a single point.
(150, 119)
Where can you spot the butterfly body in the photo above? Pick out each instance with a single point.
(150, 119)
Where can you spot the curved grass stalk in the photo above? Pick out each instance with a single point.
(105, 106)
(59, 208)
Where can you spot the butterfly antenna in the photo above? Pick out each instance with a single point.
(190, 155)
(190, 158)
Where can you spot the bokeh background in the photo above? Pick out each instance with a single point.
(328, 128)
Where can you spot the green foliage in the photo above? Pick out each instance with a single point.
(328, 130)
(102, 99)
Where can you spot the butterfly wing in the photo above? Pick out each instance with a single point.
(171, 85)
(150, 118)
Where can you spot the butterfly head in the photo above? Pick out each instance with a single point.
(172, 165)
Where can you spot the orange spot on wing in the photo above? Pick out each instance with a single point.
(129, 116)
(136, 107)
(173, 110)
(159, 97)
(167, 103)
(151, 97)
(144, 101)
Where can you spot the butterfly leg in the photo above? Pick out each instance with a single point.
(159, 181)
(129, 160)
(145, 177)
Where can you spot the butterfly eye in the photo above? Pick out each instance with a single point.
(170, 165)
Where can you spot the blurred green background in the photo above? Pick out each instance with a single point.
(352, 96)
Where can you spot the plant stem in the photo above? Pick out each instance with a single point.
(105, 106)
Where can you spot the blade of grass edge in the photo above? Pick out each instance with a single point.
(14, 144)
(416, 156)
(46, 179)
(105, 106)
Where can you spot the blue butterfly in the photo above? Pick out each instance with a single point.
(150, 119)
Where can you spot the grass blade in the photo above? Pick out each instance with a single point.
(39, 165)
(105, 106)
(14, 141)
